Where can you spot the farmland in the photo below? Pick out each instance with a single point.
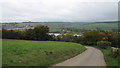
(38, 53)
(69, 27)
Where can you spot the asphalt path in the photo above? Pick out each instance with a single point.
(91, 57)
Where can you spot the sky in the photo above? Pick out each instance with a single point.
(58, 10)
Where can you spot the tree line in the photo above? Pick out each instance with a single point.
(40, 33)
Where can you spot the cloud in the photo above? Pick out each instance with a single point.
(59, 10)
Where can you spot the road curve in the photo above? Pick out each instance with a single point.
(91, 57)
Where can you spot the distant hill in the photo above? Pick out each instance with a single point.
(108, 22)
(68, 27)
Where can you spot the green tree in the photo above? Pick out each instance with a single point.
(40, 32)
(91, 37)
(113, 38)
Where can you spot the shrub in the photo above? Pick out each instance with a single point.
(65, 37)
(78, 39)
(11, 34)
(113, 38)
(115, 52)
(103, 44)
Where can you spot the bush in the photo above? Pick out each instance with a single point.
(103, 44)
(65, 37)
(11, 34)
(113, 38)
(115, 52)
(78, 39)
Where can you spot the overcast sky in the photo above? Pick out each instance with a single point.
(58, 10)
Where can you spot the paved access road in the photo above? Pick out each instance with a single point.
(91, 57)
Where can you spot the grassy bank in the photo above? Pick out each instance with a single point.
(38, 53)
(110, 60)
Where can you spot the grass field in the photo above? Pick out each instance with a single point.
(94, 26)
(38, 53)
